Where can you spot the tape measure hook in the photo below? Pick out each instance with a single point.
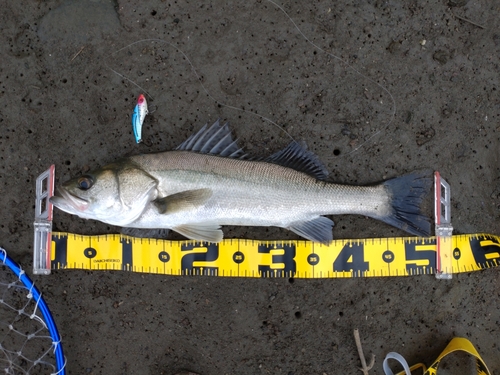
(444, 229)
(43, 222)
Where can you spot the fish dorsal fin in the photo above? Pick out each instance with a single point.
(296, 156)
(215, 140)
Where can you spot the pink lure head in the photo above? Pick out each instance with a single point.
(141, 99)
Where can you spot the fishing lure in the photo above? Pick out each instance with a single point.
(140, 112)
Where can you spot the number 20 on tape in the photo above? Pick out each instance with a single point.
(381, 257)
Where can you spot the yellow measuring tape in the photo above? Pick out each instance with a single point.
(376, 257)
(455, 345)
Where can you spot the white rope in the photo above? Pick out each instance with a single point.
(397, 357)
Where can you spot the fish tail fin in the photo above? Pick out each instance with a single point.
(407, 193)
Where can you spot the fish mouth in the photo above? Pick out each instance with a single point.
(68, 202)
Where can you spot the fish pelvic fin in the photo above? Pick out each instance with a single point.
(406, 195)
(208, 232)
(318, 229)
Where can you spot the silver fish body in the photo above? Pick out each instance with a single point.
(252, 193)
(205, 184)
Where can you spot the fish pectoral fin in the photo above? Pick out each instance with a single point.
(318, 229)
(209, 232)
(185, 200)
(145, 233)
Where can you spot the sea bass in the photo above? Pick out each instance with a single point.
(208, 182)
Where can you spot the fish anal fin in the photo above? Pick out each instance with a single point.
(296, 156)
(209, 232)
(318, 229)
(185, 200)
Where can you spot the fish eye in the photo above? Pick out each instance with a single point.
(85, 182)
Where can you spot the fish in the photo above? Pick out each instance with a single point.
(140, 112)
(208, 181)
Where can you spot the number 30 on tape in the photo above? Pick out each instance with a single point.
(402, 256)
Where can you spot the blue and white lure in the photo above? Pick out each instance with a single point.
(140, 112)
